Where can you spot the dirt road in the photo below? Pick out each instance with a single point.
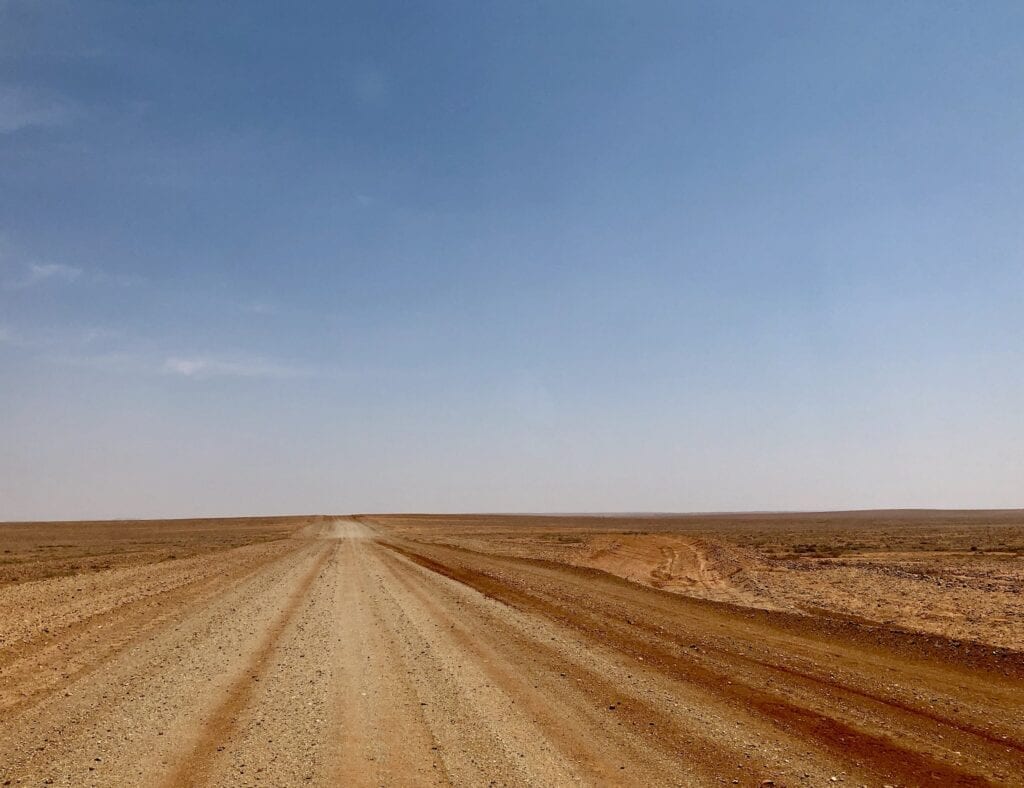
(347, 655)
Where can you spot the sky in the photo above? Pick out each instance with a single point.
(264, 258)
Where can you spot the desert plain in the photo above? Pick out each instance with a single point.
(879, 648)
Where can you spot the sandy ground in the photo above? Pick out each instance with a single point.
(956, 574)
(376, 651)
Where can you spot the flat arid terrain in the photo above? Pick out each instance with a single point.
(862, 649)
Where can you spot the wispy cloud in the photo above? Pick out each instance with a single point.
(39, 274)
(212, 367)
(196, 368)
(23, 109)
(50, 272)
(42, 273)
(103, 349)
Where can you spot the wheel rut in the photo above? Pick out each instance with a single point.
(218, 726)
(350, 655)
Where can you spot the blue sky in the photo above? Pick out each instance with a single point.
(509, 256)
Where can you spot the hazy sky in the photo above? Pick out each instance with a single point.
(578, 256)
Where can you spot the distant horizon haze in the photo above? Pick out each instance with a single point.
(841, 514)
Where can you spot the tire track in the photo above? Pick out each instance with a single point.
(126, 721)
(613, 726)
(885, 755)
(218, 725)
(86, 645)
(344, 657)
(376, 706)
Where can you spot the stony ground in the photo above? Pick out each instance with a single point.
(377, 651)
(956, 574)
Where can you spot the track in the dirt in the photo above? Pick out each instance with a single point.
(347, 657)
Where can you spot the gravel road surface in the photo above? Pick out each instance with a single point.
(344, 655)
